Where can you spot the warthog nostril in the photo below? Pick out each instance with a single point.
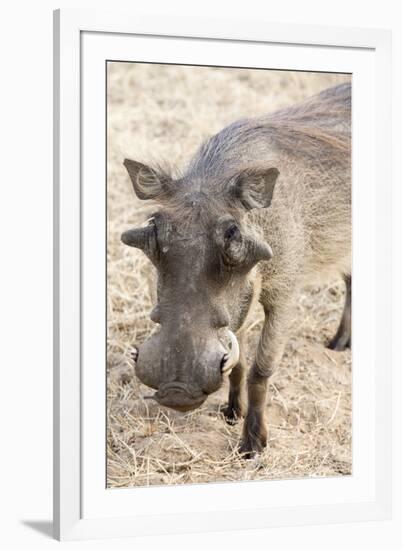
(134, 354)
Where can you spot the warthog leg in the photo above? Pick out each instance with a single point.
(270, 349)
(235, 408)
(343, 336)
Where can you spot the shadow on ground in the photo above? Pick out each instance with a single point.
(43, 527)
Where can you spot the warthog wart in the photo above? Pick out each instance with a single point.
(263, 208)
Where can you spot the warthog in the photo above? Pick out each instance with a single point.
(263, 207)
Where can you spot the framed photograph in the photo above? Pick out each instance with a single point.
(222, 225)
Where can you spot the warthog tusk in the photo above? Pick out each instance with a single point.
(233, 355)
(228, 372)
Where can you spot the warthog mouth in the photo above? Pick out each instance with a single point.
(179, 397)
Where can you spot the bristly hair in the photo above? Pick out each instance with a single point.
(317, 130)
(165, 171)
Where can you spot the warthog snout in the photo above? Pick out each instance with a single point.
(185, 371)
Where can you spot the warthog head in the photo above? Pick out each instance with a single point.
(203, 256)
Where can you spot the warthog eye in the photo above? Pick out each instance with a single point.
(239, 251)
(232, 232)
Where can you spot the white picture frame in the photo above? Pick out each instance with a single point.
(83, 507)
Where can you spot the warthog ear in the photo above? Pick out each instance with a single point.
(146, 182)
(255, 188)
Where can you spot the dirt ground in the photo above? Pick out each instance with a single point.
(163, 113)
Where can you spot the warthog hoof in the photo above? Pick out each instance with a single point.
(255, 436)
(233, 412)
(231, 415)
(251, 447)
(339, 343)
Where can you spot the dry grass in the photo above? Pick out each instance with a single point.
(163, 113)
